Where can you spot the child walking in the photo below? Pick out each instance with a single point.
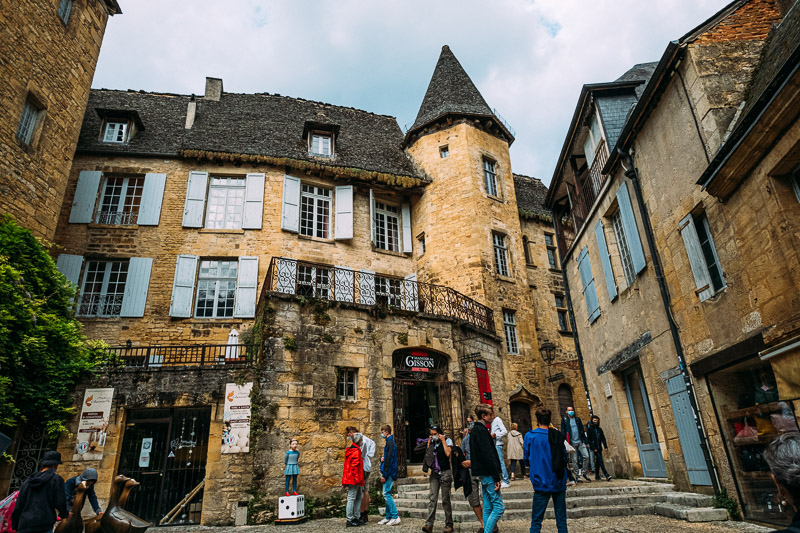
(291, 460)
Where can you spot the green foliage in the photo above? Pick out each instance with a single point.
(43, 353)
(376, 498)
(402, 338)
(327, 337)
(289, 343)
(723, 501)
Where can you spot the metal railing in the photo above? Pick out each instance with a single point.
(99, 305)
(289, 276)
(117, 218)
(205, 355)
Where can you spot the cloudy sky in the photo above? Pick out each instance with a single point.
(528, 58)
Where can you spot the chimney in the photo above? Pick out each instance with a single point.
(191, 111)
(213, 89)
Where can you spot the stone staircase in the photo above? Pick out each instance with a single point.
(599, 498)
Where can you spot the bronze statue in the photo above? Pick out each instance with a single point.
(92, 525)
(74, 524)
(116, 519)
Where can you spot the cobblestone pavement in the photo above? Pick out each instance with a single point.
(616, 524)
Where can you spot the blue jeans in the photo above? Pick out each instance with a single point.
(354, 495)
(493, 507)
(499, 448)
(391, 508)
(540, 499)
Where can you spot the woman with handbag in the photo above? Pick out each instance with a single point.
(783, 457)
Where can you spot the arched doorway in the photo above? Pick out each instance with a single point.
(421, 396)
(564, 399)
(521, 415)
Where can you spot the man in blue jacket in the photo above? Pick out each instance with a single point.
(89, 476)
(389, 476)
(40, 497)
(544, 452)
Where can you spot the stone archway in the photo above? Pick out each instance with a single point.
(565, 399)
(522, 403)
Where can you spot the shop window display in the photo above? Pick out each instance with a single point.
(753, 412)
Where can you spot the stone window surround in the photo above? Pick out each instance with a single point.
(86, 301)
(387, 214)
(317, 202)
(495, 174)
(226, 183)
(502, 263)
(510, 331)
(64, 11)
(32, 101)
(127, 211)
(562, 309)
(552, 252)
(217, 278)
(345, 377)
(421, 241)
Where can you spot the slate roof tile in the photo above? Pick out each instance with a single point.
(531, 194)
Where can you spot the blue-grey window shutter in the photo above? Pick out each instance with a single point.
(195, 199)
(372, 216)
(290, 213)
(629, 224)
(405, 213)
(605, 259)
(152, 197)
(697, 261)
(253, 201)
(70, 266)
(183, 286)
(136, 285)
(344, 213)
(85, 197)
(589, 289)
(246, 288)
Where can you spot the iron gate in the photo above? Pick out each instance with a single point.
(399, 426)
(31, 445)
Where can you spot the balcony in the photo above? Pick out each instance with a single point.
(202, 355)
(337, 284)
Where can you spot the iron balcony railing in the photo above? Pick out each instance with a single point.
(99, 305)
(118, 218)
(289, 276)
(204, 355)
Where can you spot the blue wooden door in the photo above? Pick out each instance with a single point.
(687, 432)
(643, 427)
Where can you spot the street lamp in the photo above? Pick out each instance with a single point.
(548, 351)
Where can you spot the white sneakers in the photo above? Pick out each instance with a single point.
(393, 522)
(504, 485)
(384, 521)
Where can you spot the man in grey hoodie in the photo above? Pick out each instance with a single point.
(39, 498)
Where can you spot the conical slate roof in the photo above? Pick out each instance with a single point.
(450, 91)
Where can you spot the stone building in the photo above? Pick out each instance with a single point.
(689, 232)
(353, 274)
(44, 93)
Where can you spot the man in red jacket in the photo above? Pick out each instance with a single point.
(353, 479)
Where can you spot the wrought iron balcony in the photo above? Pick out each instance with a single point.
(204, 355)
(289, 276)
(118, 218)
(99, 305)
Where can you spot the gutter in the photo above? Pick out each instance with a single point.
(775, 351)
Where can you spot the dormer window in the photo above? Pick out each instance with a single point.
(119, 126)
(116, 131)
(321, 144)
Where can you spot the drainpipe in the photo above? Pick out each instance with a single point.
(633, 174)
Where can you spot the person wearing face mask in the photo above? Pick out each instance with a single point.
(389, 476)
(474, 497)
(437, 459)
(353, 480)
(597, 441)
(573, 430)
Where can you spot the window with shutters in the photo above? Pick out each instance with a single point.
(709, 252)
(551, 251)
(510, 327)
(315, 212)
(490, 177)
(321, 144)
(347, 383)
(225, 203)
(29, 120)
(103, 288)
(120, 200)
(64, 10)
(216, 289)
(500, 253)
(561, 310)
(388, 292)
(387, 227)
(313, 281)
(624, 249)
(116, 131)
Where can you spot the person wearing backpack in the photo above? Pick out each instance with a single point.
(547, 460)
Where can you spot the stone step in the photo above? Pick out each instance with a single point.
(690, 514)
(524, 491)
(653, 479)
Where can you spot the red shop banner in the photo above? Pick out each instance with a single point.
(484, 387)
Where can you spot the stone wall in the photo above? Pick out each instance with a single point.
(33, 177)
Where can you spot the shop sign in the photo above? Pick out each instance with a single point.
(93, 424)
(484, 388)
(419, 362)
(236, 418)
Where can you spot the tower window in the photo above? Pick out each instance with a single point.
(64, 10)
(490, 177)
(444, 151)
(500, 253)
(346, 383)
(28, 121)
(551, 251)
(510, 327)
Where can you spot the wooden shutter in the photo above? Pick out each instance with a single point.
(411, 293)
(372, 216)
(246, 288)
(605, 259)
(253, 201)
(702, 279)
(629, 225)
(195, 200)
(589, 289)
(287, 276)
(343, 220)
(366, 287)
(85, 197)
(152, 198)
(183, 286)
(136, 285)
(70, 266)
(290, 213)
(343, 284)
(405, 213)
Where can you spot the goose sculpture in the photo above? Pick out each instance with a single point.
(118, 520)
(92, 525)
(74, 524)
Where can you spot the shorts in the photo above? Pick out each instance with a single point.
(474, 497)
(366, 477)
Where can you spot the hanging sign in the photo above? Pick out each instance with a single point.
(93, 424)
(236, 418)
(484, 388)
(144, 453)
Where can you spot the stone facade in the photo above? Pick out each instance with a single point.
(56, 80)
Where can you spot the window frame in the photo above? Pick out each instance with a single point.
(388, 291)
(228, 186)
(318, 134)
(421, 241)
(128, 215)
(561, 313)
(444, 151)
(490, 176)
(29, 121)
(552, 255)
(318, 279)
(317, 202)
(103, 294)
(526, 243)
(216, 279)
(121, 127)
(65, 10)
(623, 248)
(510, 331)
(346, 377)
(384, 233)
(502, 260)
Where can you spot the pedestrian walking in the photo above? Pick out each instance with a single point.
(474, 497)
(367, 453)
(437, 460)
(515, 439)
(547, 461)
(353, 480)
(572, 428)
(597, 442)
(485, 464)
(499, 431)
(88, 476)
(389, 476)
(291, 461)
(40, 497)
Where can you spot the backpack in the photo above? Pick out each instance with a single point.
(6, 508)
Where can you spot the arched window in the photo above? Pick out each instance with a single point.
(564, 399)
(526, 250)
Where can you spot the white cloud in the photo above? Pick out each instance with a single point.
(528, 58)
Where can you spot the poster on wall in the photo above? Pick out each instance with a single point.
(236, 418)
(484, 388)
(93, 424)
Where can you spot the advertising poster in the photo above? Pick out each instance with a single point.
(93, 424)
(484, 388)
(236, 418)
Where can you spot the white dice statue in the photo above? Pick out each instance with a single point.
(291, 507)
